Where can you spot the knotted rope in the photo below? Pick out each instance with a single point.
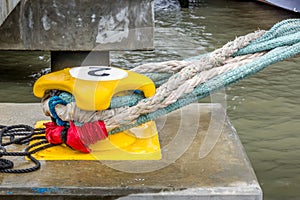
(183, 82)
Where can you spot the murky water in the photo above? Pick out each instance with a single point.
(18, 71)
(264, 108)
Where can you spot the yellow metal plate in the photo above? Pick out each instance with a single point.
(139, 143)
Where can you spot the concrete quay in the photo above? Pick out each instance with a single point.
(77, 33)
(222, 172)
(76, 25)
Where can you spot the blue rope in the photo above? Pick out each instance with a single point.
(53, 101)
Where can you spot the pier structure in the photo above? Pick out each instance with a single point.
(222, 172)
(83, 32)
(77, 32)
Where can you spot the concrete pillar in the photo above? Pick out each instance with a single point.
(59, 25)
(77, 32)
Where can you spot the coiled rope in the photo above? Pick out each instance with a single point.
(21, 135)
(185, 82)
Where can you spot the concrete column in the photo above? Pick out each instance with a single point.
(60, 25)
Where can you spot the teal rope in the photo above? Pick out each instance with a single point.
(284, 40)
(218, 82)
(270, 44)
(282, 28)
(128, 100)
(67, 97)
(282, 33)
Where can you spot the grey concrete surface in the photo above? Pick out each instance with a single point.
(77, 25)
(6, 7)
(224, 173)
(21, 113)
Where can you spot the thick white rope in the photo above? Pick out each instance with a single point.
(188, 75)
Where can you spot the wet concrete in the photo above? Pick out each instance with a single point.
(224, 173)
(77, 25)
(6, 7)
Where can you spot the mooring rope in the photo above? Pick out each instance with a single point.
(193, 79)
(189, 74)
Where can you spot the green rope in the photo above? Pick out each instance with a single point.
(270, 44)
(285, 43)
(282, 28)
(282, 41)
(282, 33)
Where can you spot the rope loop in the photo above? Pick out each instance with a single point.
(21, 134)
(6, 164)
